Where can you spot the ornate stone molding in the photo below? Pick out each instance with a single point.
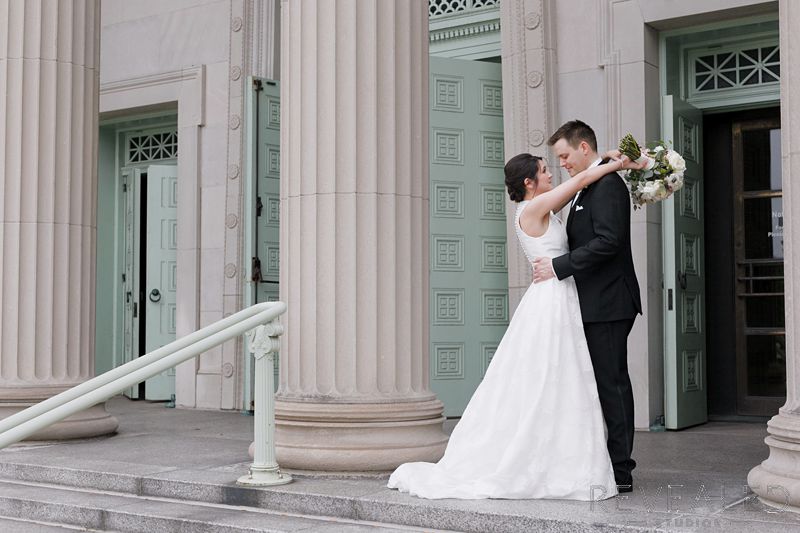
(187, 84)
(465, 31)
(529, 102)
(468, 34)
(240, 56)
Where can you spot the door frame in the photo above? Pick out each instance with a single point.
(109, 299)
(668, 74)
(153, 123)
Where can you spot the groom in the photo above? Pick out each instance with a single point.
(598, 229)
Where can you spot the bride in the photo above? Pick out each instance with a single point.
(534, 427)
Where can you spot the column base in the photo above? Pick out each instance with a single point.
(357, 437)
(776, 481)
(93, 422)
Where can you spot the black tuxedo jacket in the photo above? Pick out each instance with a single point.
(600, 260)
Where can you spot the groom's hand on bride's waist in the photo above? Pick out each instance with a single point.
(542, 269)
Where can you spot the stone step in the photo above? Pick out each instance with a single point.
(325, 498)
(17, 525)
(39, 507)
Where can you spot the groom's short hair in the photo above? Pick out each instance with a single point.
(574, 132)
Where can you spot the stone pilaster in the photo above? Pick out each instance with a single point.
(354, 385)
(777, 480)
(49, 83)
(529, 103)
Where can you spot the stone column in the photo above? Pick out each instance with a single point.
(529, 104)
(777, 480)
(354, 385)
(49, 84)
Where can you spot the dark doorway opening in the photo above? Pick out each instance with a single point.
(744, 264)
(142, 274)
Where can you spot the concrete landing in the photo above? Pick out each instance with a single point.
(693, 480)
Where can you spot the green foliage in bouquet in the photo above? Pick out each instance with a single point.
(629, 147)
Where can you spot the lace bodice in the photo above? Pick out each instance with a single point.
(552, 243)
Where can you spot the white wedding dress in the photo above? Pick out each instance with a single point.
(534, 427)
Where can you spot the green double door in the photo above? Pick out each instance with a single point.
(468, 256)
(150, 269)
(685, 354)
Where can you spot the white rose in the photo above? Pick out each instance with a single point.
(675, 181)
(662, 193)
(676, 161)
(658, 149)
(649, 190)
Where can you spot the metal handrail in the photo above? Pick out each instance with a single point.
(101, 388)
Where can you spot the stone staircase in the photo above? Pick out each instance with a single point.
(38, 497)
(44, 499)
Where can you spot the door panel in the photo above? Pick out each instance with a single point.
(268, 169)
(130, 279)
(684, 274)
(468, 271)
(160, 287)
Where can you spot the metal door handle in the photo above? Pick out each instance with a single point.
(155, 296)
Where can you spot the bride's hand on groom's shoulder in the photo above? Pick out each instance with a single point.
(542, 269)
(627, 163)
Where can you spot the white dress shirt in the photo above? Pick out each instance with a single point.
(575, 199)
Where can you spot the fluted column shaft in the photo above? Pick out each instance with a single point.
(49, 80)
(354, 236)
(777, 479)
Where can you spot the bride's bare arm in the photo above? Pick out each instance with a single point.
(610, 154)
(556, 198)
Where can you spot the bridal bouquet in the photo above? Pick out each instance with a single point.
(661, 176)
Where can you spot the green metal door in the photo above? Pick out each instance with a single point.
(131, 177)
(262, 205)
(468, 271)
(268, 188)
(161, 271)
(684, 278)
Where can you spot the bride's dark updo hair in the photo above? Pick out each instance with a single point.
(516, 170)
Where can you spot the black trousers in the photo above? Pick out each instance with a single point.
(608, 348)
